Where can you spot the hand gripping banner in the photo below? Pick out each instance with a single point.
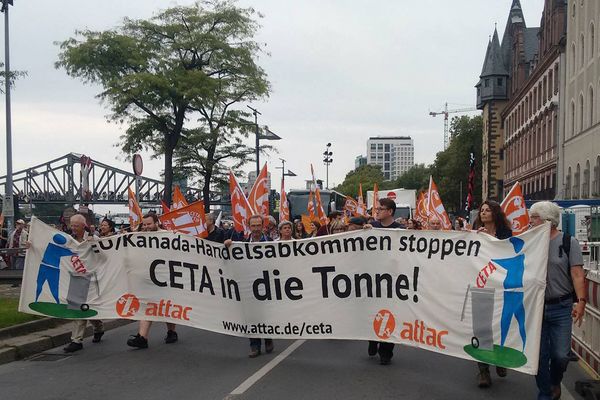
(463, 294)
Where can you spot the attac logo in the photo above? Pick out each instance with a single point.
(384, 324)
(127, 305)
(391, 195)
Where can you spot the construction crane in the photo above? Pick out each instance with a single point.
(445, 113)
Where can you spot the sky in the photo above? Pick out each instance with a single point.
(341, 71)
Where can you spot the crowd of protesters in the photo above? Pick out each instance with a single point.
(564, 297)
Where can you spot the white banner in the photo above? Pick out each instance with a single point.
(463, 294)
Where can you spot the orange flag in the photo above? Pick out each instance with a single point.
(375, 198)
(435, 207)
(259, 195)
(284, 209)
(319, 205)
(135, 212)
(307, 221)
(189, 219)
(311, 205)
(421, 211)
(515, 210)
(351, 206)
(240, 207)
(179, 200)
(362, 208)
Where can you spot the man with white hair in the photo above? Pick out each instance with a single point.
(564, 286)
(271, 229)
(78, 225)
(434, 223)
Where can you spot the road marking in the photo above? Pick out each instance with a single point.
(565, 394)
(247, 384)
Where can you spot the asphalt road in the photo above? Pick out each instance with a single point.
(204, 365)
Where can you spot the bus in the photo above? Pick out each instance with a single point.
(298, 201)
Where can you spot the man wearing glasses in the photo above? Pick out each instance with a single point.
(384, 218)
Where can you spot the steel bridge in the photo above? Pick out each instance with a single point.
(61, 181)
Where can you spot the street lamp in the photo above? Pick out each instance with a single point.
(268, 136)
(283, 173)
(327, 160)
(8, 206)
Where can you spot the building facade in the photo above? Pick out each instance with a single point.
(580, 153)
(359, 161)
(521, 130)
(395, 154)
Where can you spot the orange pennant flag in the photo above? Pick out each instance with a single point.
(307, 222)
(135, 212)
(362, 208)
(240, 207)
(319, 206)
(179, 200)
(515, 210)
(421, 211)
(284, 208)
(190, 220)
(259, 195)
(375, 198)
(435, 207)
(311, 205)
(351, 206)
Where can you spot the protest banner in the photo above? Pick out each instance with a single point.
(463, 294)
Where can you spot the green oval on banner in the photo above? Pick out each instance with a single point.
(61, 310)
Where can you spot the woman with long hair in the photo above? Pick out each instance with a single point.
(299, 230)
(491, 220)
(107, 227)
(315, 226)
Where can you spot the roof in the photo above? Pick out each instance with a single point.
(494, 63)
(530, 43)
(390, 138)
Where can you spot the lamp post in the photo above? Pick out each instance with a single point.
(8, 206)
(268, 136)
(283, 173)
(327, 160)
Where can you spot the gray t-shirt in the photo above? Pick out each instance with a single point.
(558, 280)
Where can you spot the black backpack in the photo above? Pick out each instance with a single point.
(565, 246)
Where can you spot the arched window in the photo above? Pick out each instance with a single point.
(577, 182)
(550, 83)
(592, 40)
(596, 189)
(568, 185)
(573, 65)
(581, 113)
(586, 181)
(591, 106)
(573, 118)
(582, 50)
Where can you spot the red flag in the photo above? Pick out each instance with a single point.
(435, 207)
(259, 195)
(179, 200)
(284, 209)
(240, 207)
(165, 207)
(189, 219)
(135, 212)
(515, 210)
(375, 198)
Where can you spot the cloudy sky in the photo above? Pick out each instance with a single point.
(341, 71)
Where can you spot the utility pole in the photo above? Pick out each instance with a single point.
(8, 206)
(327, 160)
(268, 136)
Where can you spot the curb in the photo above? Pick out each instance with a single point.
(18, 348)
(30, 327)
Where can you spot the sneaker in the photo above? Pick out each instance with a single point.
(171, 337)
(501, 372)
(485, 380)
(97, 337)
(269, 345)
(372, 348)
(254, 353)
(73, 347)
(137, 341)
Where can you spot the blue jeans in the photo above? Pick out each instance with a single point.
(255, 343)
(554, 346)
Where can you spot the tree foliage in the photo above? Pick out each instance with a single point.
(176, 78)
(368, 175)
(450, 169)
(13, 76)
(415, 178)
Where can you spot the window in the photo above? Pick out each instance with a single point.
(550, 82)
(379, 146)
(556, 79)
(586, 181)
(373, 146)
(486, 83)
(572, 118)
(387, 147)
(596, 189)
(499, 82)
(568, 185)
(591, 106)
(582, 50)
(580, 127)
(387, 156)
(576, 182)
(573, 67)
(592, 40)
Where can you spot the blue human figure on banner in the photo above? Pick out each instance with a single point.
(513, 298)
(49, 270)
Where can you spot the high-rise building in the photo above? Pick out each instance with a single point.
(395, 154)
(359, 161)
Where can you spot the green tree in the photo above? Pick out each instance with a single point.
(13, 76)
(175, 76)
(415, 178)
(450, 169)
(368, 175)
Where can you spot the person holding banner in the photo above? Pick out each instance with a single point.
(565, 285)
(256, 222)
(78, 224)
(285, 231)
(150, 223)
(384, 219)
(215, 234)
(491, 220)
